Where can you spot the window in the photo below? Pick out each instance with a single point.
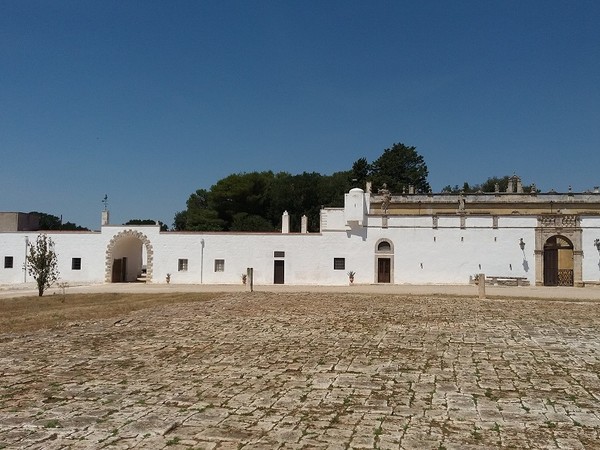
(278, 254)
(219, 265)
(8, 262)
(384, 246)
(76, 264)
(339, 263)
(182, 265)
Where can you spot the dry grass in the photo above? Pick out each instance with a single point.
(34, 313)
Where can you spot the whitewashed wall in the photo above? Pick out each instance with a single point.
(422, 254)
(591, 256)
(89, 246)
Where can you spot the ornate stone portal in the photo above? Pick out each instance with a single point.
(553, 228)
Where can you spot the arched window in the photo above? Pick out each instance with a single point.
(384, 247)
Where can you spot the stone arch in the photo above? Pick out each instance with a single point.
(558, 261)
(110, 249)
(567, 229)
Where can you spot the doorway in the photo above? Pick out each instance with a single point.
(384, 270)
(279, 271)
(119, 270)
(558, 261)
(384, 261)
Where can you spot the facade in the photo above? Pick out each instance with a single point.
(531, 238)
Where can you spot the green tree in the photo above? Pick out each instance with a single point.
(198, 216)
(361, 169)
(240, 193)
(250, 222)
(180, 221)
(51, 222)
(305, 194)
(487, 186)
(42, 263)
(163, 227)
(399, 167)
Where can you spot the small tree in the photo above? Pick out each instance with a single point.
(42, 264)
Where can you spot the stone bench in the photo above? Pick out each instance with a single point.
(506, 281)
(494, 280)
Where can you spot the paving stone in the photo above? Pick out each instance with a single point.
(299, 370)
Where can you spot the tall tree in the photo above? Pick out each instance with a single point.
(240, 193)
(198, 216)
(399, 167)
(361, 169)
(42, 263)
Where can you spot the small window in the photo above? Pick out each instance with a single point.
(182, 265)
(339, 263)
(384, 246)
(278, 254)
(76, 264)
(219, 265)
(8, 262)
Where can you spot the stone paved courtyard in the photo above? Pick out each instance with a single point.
(307, 370)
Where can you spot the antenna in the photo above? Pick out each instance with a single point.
(105, 201)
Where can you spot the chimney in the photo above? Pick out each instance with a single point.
(304, 225)
(285, 223)
(105, 217)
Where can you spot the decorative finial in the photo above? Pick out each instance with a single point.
(105, 201)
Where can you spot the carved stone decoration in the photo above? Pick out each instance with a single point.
(559, 221)
(110, 248)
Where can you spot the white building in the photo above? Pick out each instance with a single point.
(535, 238)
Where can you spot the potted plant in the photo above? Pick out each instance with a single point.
(244, 278)
(168, 278)
(351, 276)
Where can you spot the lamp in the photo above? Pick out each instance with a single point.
(522, 244)
(597, 244)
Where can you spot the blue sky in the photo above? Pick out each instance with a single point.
(148, 101)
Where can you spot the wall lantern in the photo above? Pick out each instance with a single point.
(522, 244)
(597, 244)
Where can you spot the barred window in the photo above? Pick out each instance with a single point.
(76, 264)
(339, 263)
(182, 265)
(219, 265)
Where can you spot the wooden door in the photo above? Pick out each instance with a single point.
(279, 272)
(550, 266)
(384, 270)
(117, 271)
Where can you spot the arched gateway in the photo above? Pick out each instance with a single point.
(558, 250)
(558, 261)
(125, 257)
